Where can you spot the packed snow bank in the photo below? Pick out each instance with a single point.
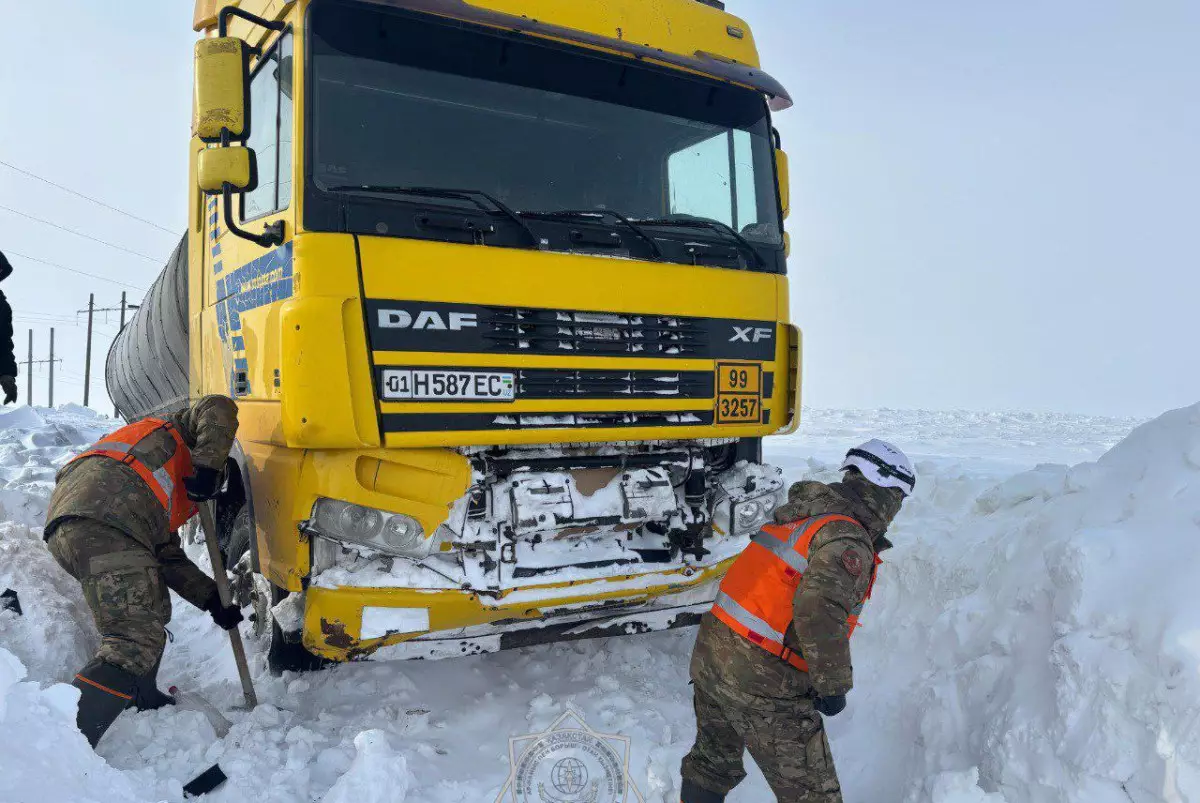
(378, 775)
(56, 635)
(43, 756)
(1048, 635)
(35, 442)
(1034, 638)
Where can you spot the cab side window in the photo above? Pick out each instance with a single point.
(271, 131)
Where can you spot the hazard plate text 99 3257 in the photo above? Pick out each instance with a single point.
(739, 393)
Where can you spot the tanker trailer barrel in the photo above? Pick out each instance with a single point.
(147, 367)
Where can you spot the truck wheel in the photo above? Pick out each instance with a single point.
(283, 654)
(254, 589)
(237, 544)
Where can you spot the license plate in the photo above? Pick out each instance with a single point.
(423, 384)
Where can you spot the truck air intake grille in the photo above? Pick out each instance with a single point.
(553, 383)
(540, 331)
(448, 422)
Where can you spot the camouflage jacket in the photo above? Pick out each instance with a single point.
(827, 593)
(102, 489)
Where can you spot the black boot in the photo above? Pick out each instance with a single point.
(148, 697)
(693, 793)
(105, 691)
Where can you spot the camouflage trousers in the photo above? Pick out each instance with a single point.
(124, 588)
(786, 739)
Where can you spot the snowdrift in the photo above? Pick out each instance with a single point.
(1045, 634)
(1034, 638)
(43, 757)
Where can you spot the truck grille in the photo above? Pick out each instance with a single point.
(541, 331)
(565, 384)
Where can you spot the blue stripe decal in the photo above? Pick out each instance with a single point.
(256, 284)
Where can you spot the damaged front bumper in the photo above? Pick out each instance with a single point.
(347, 623)
(545, 549)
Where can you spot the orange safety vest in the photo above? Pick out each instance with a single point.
(755, 598)
(166, 482)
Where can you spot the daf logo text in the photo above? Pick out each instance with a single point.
(425, 319)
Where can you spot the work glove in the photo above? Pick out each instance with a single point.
(204, 484)
(830, 706)
(227, 617)
(9, 383)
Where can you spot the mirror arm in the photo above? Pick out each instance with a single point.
(234, 11)
(272, 232)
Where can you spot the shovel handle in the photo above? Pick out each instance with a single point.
(218, 565)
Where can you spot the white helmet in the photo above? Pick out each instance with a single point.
(883, 465)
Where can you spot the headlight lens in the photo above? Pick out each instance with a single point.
(392, 533)
(747, 514)
(751, 514)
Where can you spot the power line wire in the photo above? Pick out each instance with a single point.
(80, 272)
(89, 198)
(84, 236)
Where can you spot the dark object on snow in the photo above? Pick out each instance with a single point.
(147, 697)
(830, 706)
(10, 602)
(205, 782)
(8, 360)
(691, 792)
(105, 691)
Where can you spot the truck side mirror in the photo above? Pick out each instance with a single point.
(233, 165)
(781, 175)
(221, 100)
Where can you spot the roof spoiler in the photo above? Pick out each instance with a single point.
(701, 62)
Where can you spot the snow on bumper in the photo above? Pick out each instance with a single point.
(351, 623)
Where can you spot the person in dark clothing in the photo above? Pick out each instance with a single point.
(8, 360)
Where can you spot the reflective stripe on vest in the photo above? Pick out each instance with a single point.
(166, 482)
(756, 594)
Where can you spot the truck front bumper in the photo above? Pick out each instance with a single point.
(351, 623)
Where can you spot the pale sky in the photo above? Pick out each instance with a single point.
(994, 204)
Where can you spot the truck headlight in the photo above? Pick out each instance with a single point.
(391, 533)
(751, 514)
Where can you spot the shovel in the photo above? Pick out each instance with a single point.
(218, 565)
(213, 777)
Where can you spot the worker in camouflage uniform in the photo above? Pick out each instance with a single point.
(773, 655)
(113, 524)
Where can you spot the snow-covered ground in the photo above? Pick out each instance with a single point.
(1035, 637)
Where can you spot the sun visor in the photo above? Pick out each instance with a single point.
(701, 62)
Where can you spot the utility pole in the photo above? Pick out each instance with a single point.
(30, 362)
(91, 311)
(52, 366)
(120, 329)
(87, 364)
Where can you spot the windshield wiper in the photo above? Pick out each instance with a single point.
(471, 196)
(690, 222)
(582, 214)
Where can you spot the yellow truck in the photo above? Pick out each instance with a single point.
(499, 287)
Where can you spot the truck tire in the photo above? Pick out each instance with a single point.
(254, 589)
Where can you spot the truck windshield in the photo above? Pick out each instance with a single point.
(402, 100)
